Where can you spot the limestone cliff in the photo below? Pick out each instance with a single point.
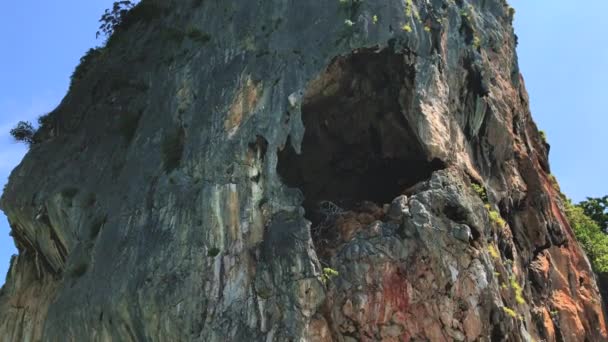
(317, 170)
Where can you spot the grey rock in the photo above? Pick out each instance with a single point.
(170, 184)
(398, 209)
(462, 232)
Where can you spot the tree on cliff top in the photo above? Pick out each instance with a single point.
(597, 210)
(114, 17)
(24, 132)
(590, 235)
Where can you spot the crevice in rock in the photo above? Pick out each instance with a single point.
(358, 147)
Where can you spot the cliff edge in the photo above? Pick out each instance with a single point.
(296, 170)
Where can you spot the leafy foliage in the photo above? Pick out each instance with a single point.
(519, 298)
(24, 132)
(543, 136)
(495, 216)
(493, 252)
(481, 192)
(591, 237)
(114, 17)
(510, 312)
(597, 210)
(124, 14)
(328, 274)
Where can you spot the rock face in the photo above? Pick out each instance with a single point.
(296, 171)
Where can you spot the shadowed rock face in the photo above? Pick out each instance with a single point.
(304, 172)
(358, 145)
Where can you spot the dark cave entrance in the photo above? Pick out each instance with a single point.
(358, 145)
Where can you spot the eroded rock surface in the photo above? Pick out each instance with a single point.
(296, 170)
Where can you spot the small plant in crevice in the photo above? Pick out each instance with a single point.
(493, 252)
(410, 11)
(467, 27)
(480, 190)
(172, 149)
(509, 311)
(328, 274)
(476, 43)
(495, 217)
(519, 298)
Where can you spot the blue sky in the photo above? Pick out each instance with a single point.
(563, 51)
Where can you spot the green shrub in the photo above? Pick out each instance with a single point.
(476, 42)
(480, 191)
(213, 252)
(493, 252)
(590, 236)
(510, 312)
(114, 17)
(495, 216)
(519, 298)
(543, 136)
(24, 132)
(328, 274)
(511, 13)
(597, 210)
(124, 14)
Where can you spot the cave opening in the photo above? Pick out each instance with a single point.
(358, 145)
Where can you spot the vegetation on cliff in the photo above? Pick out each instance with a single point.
(588, 220)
